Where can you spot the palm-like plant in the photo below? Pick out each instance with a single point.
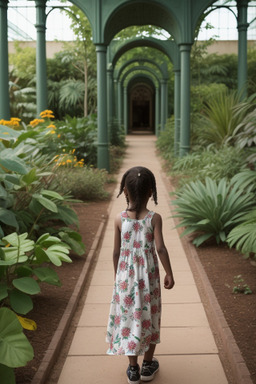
(243, 236)
(211, 209)
(219, 120)
(72, 95)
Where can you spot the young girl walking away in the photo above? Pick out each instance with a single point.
(135, 311)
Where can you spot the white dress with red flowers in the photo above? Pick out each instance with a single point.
(135, 311)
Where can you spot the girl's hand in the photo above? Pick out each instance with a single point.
(169, 282)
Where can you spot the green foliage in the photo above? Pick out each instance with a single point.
(219, 120)
(79, 134)
(245, 132)
(23, 62)
(211, 209)
(213, 68)
(243, 236)
(240, 287)
(200, 95)
(15, 349)
(165, 141)
(84, 183)
(214, 163)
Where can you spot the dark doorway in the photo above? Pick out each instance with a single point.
(141, 101)
(140, 114)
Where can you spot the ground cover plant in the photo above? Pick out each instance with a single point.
(38, 225)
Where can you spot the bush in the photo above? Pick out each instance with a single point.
(83, 183)
(211, 209)
(214, 163)
(165, 141)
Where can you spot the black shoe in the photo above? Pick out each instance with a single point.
(149, 369)
(133, 374)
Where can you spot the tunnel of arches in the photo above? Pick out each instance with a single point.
(141, 107)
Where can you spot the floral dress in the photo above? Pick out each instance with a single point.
(135, 311)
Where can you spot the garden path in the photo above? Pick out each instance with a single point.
(188, 353)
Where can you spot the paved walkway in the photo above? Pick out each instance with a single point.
(187, 353)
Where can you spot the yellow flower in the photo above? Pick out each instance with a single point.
(58, 136)
(35, 122)
(47, 113)
(6, 133)
(51, 126)
(69, 161)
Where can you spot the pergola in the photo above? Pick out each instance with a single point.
(107, 18)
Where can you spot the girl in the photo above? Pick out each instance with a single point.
(134, 320)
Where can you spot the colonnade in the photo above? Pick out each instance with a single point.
(179, 20)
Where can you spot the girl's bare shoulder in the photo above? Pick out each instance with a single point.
(156, 219)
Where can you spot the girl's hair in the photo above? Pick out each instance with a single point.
(140, 182)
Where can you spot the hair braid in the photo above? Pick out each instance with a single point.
(139, 182)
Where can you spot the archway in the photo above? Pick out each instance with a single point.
(141, 101)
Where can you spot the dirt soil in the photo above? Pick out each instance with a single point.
(220, 263)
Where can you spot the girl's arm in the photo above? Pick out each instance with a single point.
(162, 251)
(117, 241)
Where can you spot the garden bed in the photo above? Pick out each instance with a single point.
(219, 262)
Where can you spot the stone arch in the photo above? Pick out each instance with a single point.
(162, 69)
(140, 13)
(145, 103)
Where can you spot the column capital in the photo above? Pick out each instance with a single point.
(185, 47)
(101, 48)
(4, 3)
(40, 3)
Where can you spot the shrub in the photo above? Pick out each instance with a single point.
(165, 141)
(84, 183)
(214, 163)
(211, 209)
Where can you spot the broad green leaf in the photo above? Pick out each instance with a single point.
(15, 349)
(20, 302)
(3, 291)
(53, 194)
(26, 285)
(14, 164)
(74, 240)
(8, 217)
(46, 203)
(67, 215)
(30, 177)
(7, 374)
(47, 275)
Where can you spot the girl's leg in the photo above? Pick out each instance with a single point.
(148, 356)
(133, 360)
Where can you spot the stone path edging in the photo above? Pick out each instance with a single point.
(54, 347)
(214, 312)
(239, 369)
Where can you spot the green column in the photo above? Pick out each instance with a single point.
(125, 111)
(103, 145)
(4, 73)
(185, 99)
(119, 102)
(157, 112)
(110, 97)
(242, 26)
(163, 103)
(41, 76)
(176, 111)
